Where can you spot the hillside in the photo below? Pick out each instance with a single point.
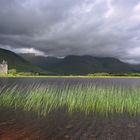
(80, 65)
(17, 62)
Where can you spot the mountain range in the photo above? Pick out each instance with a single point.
(81, 65)
(69, 65)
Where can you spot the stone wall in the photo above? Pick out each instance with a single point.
(3, 69)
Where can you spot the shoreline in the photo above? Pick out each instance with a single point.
(19, 76)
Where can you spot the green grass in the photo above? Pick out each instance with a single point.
(60, 76)
(88, 99)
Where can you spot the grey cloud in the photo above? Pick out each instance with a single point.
(63, 27)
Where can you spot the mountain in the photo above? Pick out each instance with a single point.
(17, 62)
(80, 65)
(41, 61)
(72, 64)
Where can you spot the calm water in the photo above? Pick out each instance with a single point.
(23, 82)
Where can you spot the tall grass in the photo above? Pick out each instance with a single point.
(87, 99)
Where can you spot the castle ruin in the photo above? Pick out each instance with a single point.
(4, 67)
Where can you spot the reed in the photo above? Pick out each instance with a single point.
(79, 98)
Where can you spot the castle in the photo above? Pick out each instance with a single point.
(4, 67)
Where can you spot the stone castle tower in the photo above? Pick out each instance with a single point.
(4, 67)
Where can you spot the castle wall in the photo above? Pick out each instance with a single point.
(3, 69)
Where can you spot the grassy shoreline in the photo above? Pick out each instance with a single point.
(24, 76)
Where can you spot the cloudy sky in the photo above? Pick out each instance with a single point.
(63, 27)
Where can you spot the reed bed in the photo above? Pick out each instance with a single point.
(79, 98)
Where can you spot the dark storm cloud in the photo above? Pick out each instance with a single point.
(63, 27)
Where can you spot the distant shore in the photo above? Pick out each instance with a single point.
(46, 76)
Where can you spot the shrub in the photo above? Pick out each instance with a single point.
(99, 74)
(12, 71)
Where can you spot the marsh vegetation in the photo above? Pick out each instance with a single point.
(88, 106)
